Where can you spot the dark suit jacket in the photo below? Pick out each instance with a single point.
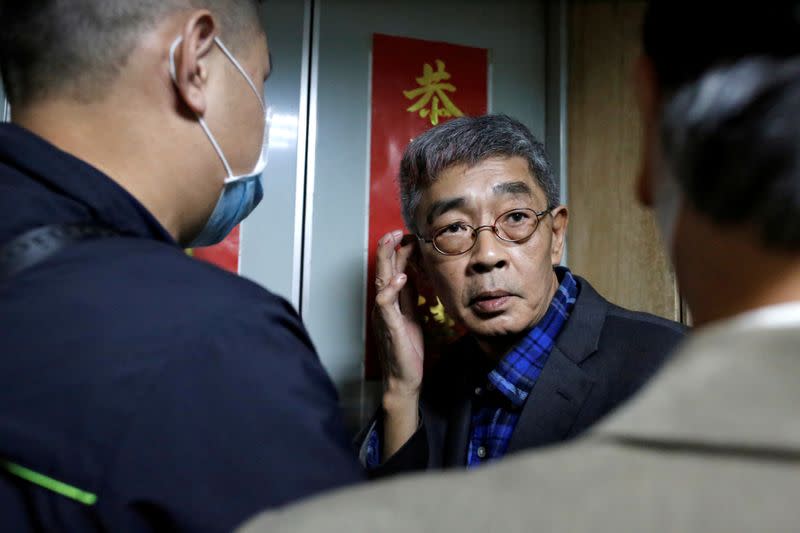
(603, 355)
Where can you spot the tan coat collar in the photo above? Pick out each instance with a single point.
(736, 383)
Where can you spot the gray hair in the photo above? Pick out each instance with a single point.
(469, 141)
(77, 47)
(732, 142)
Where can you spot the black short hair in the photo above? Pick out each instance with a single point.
(732, 141)
(469, 140)
(54, 46)
(684, 38)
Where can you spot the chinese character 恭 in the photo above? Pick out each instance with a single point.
(431, 91)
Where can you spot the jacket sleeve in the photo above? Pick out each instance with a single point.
(242, 419)
(412, 456)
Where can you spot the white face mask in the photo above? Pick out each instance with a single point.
(242, 193)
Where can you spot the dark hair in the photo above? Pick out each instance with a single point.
(732, 140)
(684, 38)
(469, 140)
(53, 46)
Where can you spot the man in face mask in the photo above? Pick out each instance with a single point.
(142, 389)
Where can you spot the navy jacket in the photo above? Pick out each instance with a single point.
(602, 356)
(184, 397)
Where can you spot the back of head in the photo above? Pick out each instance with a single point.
(732, 140)
(684, 38)
(75, 48)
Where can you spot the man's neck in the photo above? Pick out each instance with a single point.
(730, 272)
(119, 142)
(495, 348)
(729, 295)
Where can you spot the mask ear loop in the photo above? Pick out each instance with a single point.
(173, 74)
(267, 129)
(211, 138)
(261, 162)
(241, 70)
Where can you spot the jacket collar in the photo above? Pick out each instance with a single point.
(563, 385)
(580, 335)
(106, 202)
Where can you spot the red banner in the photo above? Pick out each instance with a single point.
(416, 85)
(225, 254)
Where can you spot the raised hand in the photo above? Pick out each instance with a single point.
(399, 339)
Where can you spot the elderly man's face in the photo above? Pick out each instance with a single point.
(497, 288)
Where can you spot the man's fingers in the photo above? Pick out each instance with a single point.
(407, 299)
(386, 301)
(396, 237)
(385, 260)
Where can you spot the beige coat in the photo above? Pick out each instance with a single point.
(711, 445)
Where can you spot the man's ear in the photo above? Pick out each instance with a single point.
(648, 97)
(191, 59)
(560, 222)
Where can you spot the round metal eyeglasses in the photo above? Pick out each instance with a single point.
(459, 238)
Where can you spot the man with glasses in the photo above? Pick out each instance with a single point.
(545, 356)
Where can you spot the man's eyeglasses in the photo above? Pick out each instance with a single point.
(459, 238)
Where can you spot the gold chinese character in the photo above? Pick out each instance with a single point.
(432, 90)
